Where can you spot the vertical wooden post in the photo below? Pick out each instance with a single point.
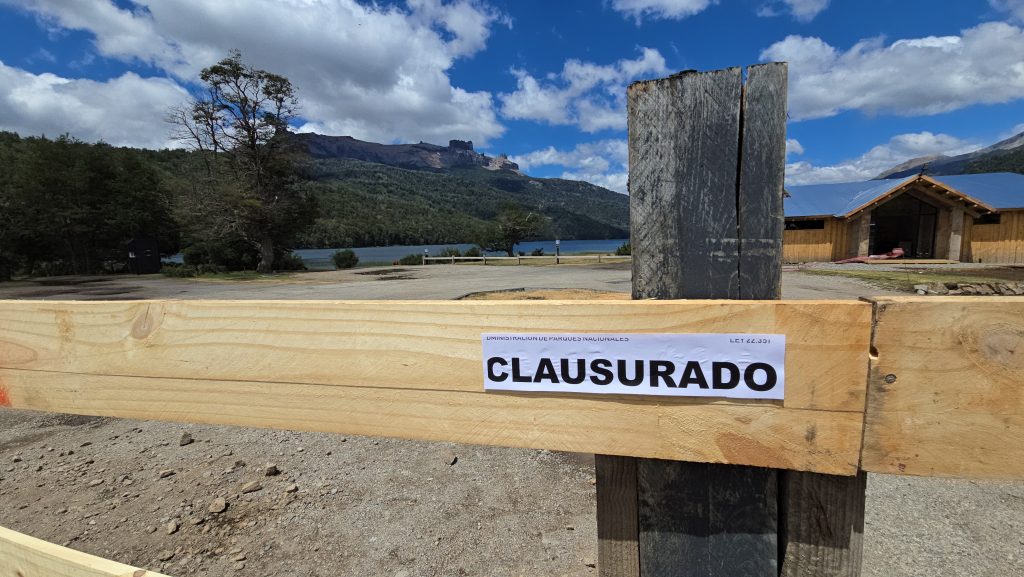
(956, 232)
(864, 234)
(707, 159)
(617, 551)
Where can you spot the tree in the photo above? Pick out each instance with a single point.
(511, 226)
(68, 207)
(239, 128)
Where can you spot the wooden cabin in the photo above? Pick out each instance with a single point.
(967, 218)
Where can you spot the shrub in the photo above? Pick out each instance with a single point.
(625, 250)
(474, 252)
(537, 252)
(175, 270)
(411, 259)
(450, 251)
(344, 259)
(289, 261)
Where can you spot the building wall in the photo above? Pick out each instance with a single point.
(816, 245)
(1001, 243)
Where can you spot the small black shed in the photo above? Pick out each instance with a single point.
(143, 256)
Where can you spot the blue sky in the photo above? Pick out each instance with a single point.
(872, 82)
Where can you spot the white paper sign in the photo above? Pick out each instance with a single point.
(738, 366)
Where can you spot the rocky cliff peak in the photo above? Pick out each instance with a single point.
(420, 156)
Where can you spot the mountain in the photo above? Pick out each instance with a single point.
(1003, 156)
(421, 156)
(391, 194)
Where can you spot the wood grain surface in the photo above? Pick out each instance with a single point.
(406, 345)
(24, 556)
(946, 391)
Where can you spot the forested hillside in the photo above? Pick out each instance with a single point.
(367, 204)
(70, 207)
(1010, 161)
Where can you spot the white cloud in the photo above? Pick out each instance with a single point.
(932, 75)
(602, 162)
(806, 10)
(1014, 7)
(801, 10)
(793, 146)
(127, 110)
(898, 149)
(373, 71)
(588, 95)
(660, 9)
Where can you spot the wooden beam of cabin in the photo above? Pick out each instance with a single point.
(24, 556)
(945, 395)
(414, 370)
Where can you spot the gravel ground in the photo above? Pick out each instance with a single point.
(392, 508)
(126, 490)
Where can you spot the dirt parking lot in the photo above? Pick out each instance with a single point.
(320, 504)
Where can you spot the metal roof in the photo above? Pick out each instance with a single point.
(1000, 190)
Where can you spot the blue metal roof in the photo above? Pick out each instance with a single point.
(996, 189)
(1000, 190)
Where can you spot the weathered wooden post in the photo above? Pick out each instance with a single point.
(707, 161)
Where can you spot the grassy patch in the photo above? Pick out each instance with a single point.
(904, 280)
(243, 276)
(546, 294)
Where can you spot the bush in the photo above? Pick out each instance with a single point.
(175, 270)
(450, 251)
(289, 261)
(537, 252)
(231, 254)
(411, 259)
(625, 250)
(344, 259)
(474, 252)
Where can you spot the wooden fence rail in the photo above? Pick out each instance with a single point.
(414, 370)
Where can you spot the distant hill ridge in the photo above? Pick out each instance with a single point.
(421, 156)
(1003, 156)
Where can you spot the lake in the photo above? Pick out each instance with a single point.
(320, 258)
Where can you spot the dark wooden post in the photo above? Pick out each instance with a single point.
(707, 161)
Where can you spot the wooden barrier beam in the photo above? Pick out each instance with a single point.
(414, 370)
(24, 556)
(946, 388)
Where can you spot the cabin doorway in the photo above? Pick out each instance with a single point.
(906, 222)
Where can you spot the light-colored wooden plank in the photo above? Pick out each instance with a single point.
(24, 556)
(945, 391)
(763, 435)
(406, 345)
